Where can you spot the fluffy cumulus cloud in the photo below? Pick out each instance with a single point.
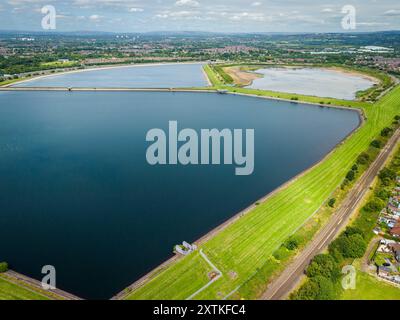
(188, 3)
(207, 15)
(136, 10)
(95, 17)
(392, 12)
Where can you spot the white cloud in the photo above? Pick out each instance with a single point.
(95, 17)
(188, 3)
(372, 24)
(183, 15)
(392, 13)
(256, 4)
(123, 4)
(248, 16)
(24, 2)
(136, 10)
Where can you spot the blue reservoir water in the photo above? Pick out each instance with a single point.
(147, 76)
(76, 191)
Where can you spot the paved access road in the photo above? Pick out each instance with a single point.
(280, 288)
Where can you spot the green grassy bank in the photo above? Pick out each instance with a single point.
(12, 291)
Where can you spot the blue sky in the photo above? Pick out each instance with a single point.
(201, 15)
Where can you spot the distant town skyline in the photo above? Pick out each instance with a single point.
(201, 15)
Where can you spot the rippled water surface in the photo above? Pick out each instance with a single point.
(313, 82)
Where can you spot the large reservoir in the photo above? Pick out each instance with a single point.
(77, 193)
(171, 75)
(313, 81)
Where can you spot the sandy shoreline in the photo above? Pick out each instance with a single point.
(354, 73)
(242, 77)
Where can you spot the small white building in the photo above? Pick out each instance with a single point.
(186, 248)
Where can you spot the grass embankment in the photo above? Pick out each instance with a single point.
(298, 97)
(371, 94)
(8, 82)
(214, 77)
(244, 251)
(47, 68)
(12, 291)
(221, 76)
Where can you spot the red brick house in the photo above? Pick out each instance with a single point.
(395, 232)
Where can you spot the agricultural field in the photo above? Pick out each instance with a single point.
(244, 249)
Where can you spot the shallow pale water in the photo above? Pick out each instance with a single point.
(77, 193)
(312, 81)
(150, 76)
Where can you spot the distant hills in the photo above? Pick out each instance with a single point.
(175, 33)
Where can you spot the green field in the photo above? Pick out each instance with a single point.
(11, 291)
(370, 288)
(244, 247)
(57, 64)
(7, 82)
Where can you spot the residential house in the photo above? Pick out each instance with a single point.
(395, 231)
(384, 272)
(395, 248)
(393, 209)
(390, 222)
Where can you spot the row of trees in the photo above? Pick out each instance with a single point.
(324, 274)
(365, 158)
